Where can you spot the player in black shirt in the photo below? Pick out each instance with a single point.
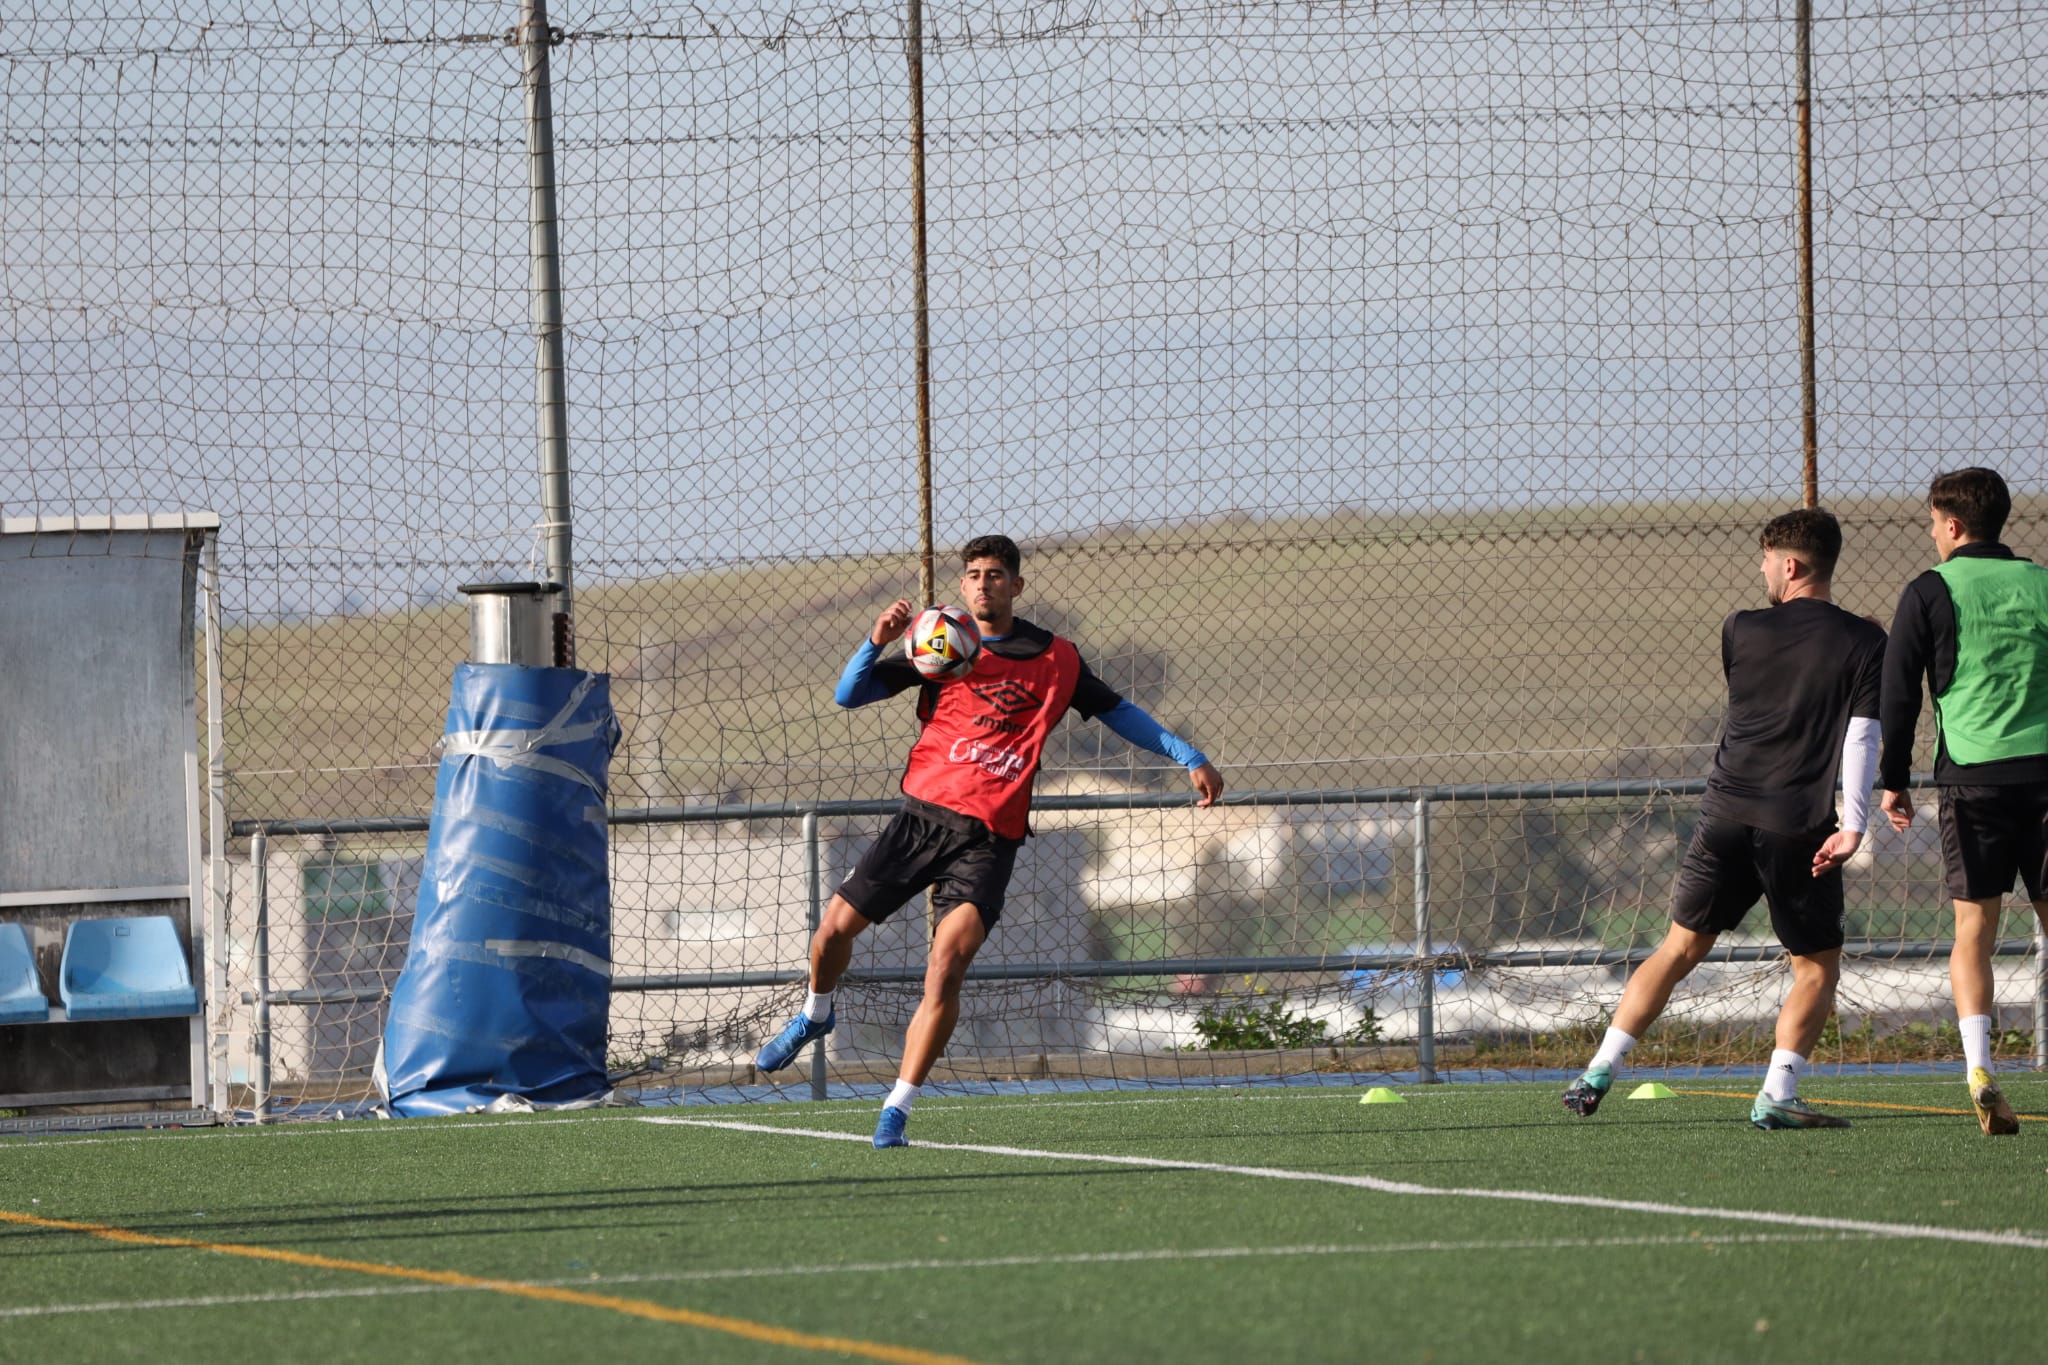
(1803, 686)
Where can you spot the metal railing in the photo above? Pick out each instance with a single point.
(1424, 963)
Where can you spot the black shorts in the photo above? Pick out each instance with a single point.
(1729, 865)
(1989, 836)
(965, 861)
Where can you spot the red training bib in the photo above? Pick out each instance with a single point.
(984, 736)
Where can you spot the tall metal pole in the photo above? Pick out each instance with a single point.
(815, 916)
(927, 574)
(927, 583)
(259, 859)
(217, 832)
(544, 247)
(1425, 1011)
(2041, 997)
(1808, 384)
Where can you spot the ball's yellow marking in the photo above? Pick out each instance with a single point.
(638, 1308)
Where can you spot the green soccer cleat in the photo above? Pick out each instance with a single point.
(1583, 1095)
(1994, 1114)
(1770, 1115)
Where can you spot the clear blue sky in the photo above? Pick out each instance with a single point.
(1241, 261)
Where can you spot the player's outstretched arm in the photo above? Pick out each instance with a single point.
(860, 682)
(1135, 725)
(891, 624)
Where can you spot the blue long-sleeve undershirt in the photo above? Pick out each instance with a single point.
(1130, 722)
(858, 684)
(1135, 724)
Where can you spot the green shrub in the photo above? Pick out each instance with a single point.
(1251, 1028)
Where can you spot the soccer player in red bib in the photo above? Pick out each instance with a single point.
(966, 803)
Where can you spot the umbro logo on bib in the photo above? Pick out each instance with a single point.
(1008, 696)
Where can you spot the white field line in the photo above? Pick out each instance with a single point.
(1772, 1217)
(1428, 1094)
(51, 1310)
(976, 1263)
(16, 1145)
(869, 1105)
(864, 1106)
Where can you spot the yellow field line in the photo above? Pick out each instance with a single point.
(638, 1308)
(1862, 1104)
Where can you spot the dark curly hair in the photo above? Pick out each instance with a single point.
(1815, 536)
(1976, 497)
(993, 547)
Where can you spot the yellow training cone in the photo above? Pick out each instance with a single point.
(1379, 1094)
(1652, 1090)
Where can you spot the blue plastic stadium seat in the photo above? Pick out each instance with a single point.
(21, 999)
(125, 969)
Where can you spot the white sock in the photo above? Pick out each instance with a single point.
(1781, 1082)
(1976, 1040)
(902, 1097)
(818, 1006)
(1613, 1048)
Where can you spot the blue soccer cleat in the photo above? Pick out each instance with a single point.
(889, 1128)
(784, 1046)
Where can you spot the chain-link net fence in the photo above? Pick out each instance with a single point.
(1387, 396)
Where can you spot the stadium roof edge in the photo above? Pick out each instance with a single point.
(117, 521)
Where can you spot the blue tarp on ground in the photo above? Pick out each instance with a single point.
(507, 981)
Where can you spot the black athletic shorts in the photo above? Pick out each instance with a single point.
(1729, 865)
(925, 845)
(1989, 835)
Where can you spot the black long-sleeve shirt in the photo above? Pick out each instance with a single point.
(1797, 674)
(1922, 645)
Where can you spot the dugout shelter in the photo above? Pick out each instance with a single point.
(103, 939)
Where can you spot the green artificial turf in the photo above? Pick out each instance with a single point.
(1017, 1257)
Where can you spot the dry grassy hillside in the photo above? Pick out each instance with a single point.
(1559, 644)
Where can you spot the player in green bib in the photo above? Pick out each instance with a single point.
(1974, 629)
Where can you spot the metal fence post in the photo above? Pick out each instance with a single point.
(1809, 406)
(545, 253)
(217, 1000)
(2040, 996)
(920, 304)
(1425, 1022)
(814, 916)
(259, 854)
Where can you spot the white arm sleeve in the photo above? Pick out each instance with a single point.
(1859, 764)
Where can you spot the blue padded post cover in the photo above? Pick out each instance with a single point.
(506, 988)
(125, 968)
(21, 998)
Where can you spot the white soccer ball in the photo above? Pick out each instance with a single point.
(943, 643)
